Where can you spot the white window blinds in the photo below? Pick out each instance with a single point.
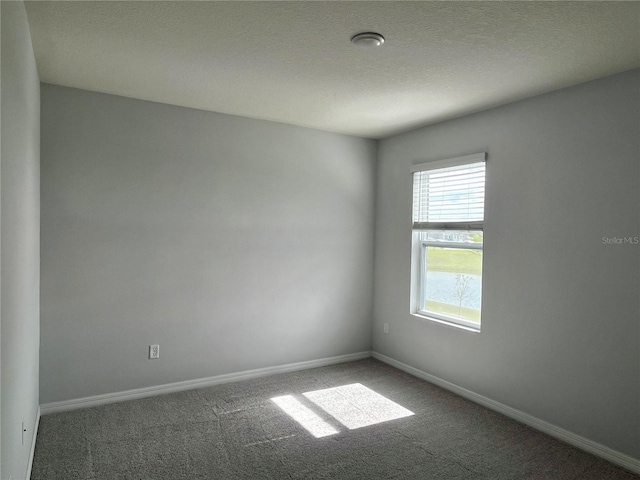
(450, 197)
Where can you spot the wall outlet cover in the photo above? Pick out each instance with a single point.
(154, 351)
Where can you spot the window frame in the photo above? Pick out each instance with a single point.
(419, 247)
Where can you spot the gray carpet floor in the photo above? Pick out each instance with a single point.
(235, 431)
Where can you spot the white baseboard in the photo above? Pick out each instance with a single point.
(93, 401)
(36, 423)
(613, 456)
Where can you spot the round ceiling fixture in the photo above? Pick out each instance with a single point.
(367, 39)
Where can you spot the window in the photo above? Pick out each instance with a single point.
(448, 224)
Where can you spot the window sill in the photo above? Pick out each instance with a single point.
(446, 323)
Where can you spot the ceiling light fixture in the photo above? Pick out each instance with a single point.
(367, 39)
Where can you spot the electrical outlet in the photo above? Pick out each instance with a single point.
(154, 351)
(386, 328)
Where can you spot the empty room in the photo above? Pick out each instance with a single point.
(245, 240)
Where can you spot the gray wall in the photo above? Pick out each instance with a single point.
(20, 250)
(233, 243)
(560, 329)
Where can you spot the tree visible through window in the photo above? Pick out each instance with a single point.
(448, 218)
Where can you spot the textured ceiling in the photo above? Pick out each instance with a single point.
(292, 62)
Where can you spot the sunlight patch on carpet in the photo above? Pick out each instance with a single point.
(304, 416)
(356, 406)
